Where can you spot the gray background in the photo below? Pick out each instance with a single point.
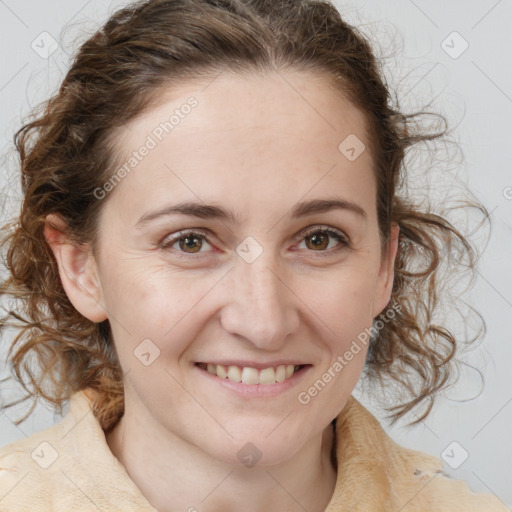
(472, 87)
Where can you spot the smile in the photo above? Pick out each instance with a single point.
(250, 375)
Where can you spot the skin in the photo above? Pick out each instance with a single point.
(272, 145)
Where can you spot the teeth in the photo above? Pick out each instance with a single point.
(234, 374)
(248, 375)
(221, 372)
(281, 373)
(268, 376)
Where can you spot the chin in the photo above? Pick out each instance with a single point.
(256, 447)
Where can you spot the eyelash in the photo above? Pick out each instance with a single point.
(344, 242)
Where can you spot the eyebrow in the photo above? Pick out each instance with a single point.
(206, 211)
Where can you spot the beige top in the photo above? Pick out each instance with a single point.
(69, 468)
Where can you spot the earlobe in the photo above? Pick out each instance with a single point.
(77, 270)
(386, 273)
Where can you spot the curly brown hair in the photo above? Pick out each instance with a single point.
(66, 152)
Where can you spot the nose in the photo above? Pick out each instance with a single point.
(261, 306)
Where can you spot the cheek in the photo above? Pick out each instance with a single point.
(145, 299)
(343, 313)
(342, 308)
(342, 300)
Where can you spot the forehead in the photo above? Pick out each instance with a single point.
(243, 134)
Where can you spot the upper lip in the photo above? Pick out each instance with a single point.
(254, 364)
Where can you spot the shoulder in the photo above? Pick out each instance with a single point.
(392, 477)
(29, 469)
(68, 466)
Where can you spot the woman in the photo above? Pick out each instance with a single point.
(210, 251)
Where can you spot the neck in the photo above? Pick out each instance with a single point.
(174, 475)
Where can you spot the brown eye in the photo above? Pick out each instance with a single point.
(186, 243)
(190, 243)
(320, 240)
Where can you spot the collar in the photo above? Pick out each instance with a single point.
(370, 465)
(80, 472)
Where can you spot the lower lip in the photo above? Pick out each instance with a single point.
(256, 390)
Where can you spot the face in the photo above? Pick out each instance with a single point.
(260, 275)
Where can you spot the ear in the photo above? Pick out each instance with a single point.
(77, 270)
(386, 274)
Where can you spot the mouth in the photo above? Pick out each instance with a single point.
(251, 375)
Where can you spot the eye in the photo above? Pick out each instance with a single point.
(319, 240)
(188, 242)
